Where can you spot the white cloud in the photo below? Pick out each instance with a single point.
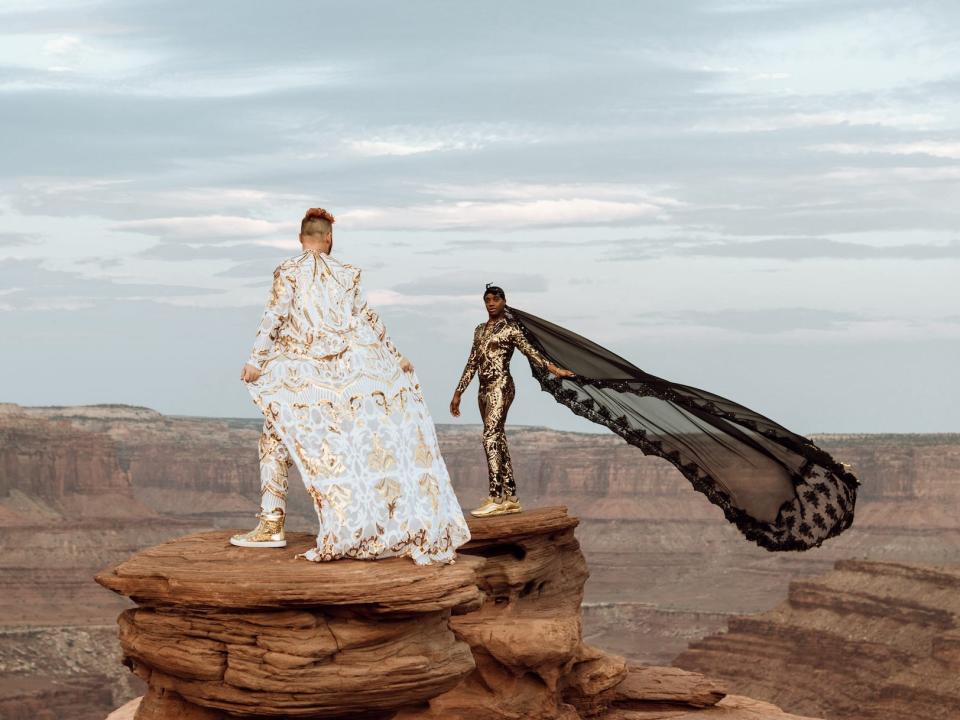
(468, 214)
(554, 191)
(227, 83)
(401, 140)
(376, 147)
(829, 118)
(210, 228)
(893, 174)
(933, 148)
(770, 76)
(62, 45)
(67, 60)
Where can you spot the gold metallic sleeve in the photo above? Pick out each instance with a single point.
(523, 345)
(471, 366)
(278, 307)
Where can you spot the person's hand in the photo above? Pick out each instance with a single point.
(455, 405)
(406, 365)
(559, 371)
(250, 373)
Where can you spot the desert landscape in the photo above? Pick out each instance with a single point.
(82, 488)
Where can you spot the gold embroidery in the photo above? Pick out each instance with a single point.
(430, 487)
(276, 289)
(329, 410)
(338, 497)
(381, 399)
(380, 459)
(301, 411)
(317, 501)
(320, 374)
(355, 405)
(390, 490)
(423, 457)
(327, 465)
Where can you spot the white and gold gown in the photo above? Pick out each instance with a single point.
(353, 421)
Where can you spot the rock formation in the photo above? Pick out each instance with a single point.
(868, 640)
(224, 632)
(263, 633)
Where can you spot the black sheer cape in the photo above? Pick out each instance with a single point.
(777, 487)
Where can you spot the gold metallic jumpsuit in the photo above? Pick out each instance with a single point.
(493, 345)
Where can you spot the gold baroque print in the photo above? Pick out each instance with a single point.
(490, 354)
(276, 290)
(390, 490)
(355, 405)
(380, 398)
(380, 459)
(430, 488)
(330, 416)
(492, 349)
(301, 411)
(338, 497)
(327, 465)
(495, 400)
(423, 456)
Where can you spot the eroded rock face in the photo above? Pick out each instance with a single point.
(220, 629)
(228, 632)
(526, 637)
(868, 640)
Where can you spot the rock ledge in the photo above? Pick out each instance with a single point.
(223, 632)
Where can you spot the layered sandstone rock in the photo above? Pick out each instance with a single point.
(222, 631)
(868, 640)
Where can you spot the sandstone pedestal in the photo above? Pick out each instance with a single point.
(223, 632)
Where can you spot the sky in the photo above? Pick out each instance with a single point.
(760, 199)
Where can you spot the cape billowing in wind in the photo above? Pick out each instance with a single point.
(777, 487)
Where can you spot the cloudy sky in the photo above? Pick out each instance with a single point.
(758, 198)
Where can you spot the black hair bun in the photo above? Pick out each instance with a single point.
(495, 290)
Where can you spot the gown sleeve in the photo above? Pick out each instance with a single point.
(367, 314)
(274, 315)
(471, 366)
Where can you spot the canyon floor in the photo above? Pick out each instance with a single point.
(84, 487)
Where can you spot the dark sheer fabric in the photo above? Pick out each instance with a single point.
(777, 487)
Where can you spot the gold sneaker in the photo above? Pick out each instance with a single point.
(486, 506)
(512, 505)
(267, 534)
(498, 506)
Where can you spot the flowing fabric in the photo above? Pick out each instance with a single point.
(780, 489)
(356, 425)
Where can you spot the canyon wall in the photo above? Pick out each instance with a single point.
(868, 640)
(84, 487)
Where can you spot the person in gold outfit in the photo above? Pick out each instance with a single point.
(493, 345)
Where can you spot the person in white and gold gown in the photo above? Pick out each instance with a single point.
(346, 407)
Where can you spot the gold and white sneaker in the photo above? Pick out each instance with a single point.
(492, 507)
(267, 534)
(487, 506)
